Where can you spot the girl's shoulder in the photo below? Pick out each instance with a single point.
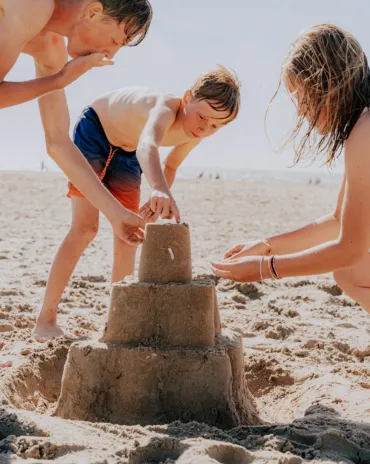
(357, 146)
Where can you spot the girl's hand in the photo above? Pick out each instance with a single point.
(254, 248)
(245, 269)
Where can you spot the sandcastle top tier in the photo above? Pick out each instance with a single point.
(166, 254)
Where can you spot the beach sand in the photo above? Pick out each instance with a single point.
(306, 345)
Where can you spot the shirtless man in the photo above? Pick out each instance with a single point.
(120, 135)
(95, 30)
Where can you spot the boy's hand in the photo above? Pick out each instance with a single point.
(164, 206)
(129, 227)
(146, 213)
(254, 248)
(79, 66)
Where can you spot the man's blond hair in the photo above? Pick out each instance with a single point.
(221, 88)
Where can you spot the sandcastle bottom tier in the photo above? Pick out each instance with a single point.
(175, 314)
(123, 385)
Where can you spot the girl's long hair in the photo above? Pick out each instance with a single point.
(332, 72)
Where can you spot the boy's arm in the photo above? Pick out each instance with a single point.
(161, 118)
(55, 118)
(170, 166)
(174, 160)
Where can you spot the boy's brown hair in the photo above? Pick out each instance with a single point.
(221, 88)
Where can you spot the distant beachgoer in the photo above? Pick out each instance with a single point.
(327, 74)
(120, 135)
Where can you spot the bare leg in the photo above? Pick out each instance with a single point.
(355, 281)
(124, 259)
(85, 223)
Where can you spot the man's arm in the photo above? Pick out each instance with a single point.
(55, 118)
(15, 38)
(161, 118)
(14, 33)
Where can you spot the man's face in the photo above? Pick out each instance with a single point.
(95, 32)
(200, 119)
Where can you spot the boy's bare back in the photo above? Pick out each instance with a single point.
(123, 114)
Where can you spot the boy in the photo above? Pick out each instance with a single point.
(120, 135)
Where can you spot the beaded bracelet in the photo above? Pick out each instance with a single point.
(273, 267)
(270, 268)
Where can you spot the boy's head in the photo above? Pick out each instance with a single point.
(107, 25)
(211, 103)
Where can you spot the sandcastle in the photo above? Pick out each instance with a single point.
(162, 356)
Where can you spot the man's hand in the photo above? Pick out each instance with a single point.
(253, 248)
(129, 227)
(79, 66)
(164, 206)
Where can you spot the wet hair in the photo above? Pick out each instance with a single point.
(329, 67)
(221, 89)
(137, 15)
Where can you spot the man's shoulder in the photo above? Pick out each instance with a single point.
(30, 17)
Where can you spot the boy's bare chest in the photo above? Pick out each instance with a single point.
(129, 134)
(174, 137)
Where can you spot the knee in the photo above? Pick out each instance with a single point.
(83, 232)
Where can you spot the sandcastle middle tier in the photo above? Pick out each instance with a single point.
(171, 314)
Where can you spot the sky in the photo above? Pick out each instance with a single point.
(187, 38)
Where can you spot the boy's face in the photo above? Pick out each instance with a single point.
(200, 119)
(95, 32)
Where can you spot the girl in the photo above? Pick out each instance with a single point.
(327, 74)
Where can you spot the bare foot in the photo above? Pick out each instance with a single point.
(6, 364)
(44, 332)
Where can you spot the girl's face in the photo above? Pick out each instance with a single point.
(305, 109)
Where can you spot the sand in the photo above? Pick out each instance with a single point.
(306, 345)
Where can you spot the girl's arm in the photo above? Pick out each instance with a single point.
(353, 241)
(324, 229)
